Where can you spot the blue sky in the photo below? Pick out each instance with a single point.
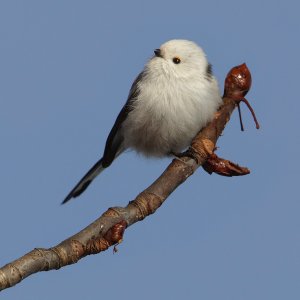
(65, 71)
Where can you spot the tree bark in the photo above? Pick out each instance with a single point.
(108, 229)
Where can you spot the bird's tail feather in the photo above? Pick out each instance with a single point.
(85, 181)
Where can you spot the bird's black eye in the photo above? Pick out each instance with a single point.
(176, 60)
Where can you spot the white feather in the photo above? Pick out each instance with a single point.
(175, 101)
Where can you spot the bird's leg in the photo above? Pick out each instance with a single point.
(215, 164)
(188, 153)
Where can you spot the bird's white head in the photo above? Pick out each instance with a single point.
(180, 58)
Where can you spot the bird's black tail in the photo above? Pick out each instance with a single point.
(85, 181)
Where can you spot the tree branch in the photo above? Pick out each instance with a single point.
(108, 229)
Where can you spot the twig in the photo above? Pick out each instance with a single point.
(108, 229)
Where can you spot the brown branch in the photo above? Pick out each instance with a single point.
(108, 229)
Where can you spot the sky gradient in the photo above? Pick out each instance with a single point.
(65, 71)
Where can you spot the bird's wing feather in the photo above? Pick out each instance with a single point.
(115, 138)
(113, 145)
(85, 181)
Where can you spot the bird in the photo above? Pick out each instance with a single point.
(170, 101)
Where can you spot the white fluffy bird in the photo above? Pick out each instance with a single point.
(170, 101)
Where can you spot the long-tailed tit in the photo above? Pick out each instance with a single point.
(169, 102)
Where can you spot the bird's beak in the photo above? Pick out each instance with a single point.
(157, 53)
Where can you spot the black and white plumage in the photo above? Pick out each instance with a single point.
(170, 101)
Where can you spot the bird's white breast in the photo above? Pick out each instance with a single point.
(168, 113)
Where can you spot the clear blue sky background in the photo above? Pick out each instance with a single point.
(65, 71)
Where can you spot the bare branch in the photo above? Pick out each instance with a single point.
(108, 229)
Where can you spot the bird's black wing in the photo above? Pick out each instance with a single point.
(113, 144)
(115, 138)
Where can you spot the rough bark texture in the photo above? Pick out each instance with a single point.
(108, 229)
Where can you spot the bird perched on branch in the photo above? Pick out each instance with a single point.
(169, 102)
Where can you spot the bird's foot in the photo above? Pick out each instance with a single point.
(190, 153)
